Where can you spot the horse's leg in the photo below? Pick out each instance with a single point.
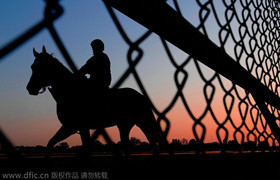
(151, 130)
(61, 134)
(124, 135)
(85, 137)
(152, 137)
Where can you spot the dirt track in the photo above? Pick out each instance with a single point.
(179, 166)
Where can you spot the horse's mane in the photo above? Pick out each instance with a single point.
(59, 65)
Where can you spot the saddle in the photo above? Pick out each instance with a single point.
(100, 101)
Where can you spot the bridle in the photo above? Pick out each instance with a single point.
(42, 90)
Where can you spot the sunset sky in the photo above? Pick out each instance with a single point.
(31, 120)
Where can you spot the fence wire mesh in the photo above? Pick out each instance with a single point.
(253, 29)
(246, 30)
(249, 32)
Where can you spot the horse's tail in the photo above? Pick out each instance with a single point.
(149, 125)
(145, 118)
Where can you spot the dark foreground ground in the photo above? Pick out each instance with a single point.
(178, 166)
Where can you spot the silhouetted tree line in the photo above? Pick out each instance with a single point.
(231, 145)
(136, 145)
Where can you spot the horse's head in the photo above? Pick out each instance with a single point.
(40, 77)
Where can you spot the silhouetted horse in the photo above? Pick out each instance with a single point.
(77, 109)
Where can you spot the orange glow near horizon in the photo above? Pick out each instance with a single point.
(31, 132)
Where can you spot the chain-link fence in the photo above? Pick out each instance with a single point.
(245, 51)
(237, 40)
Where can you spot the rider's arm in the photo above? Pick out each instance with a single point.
(84, 69)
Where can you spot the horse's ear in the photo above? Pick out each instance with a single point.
(44, 49)
(35, 52)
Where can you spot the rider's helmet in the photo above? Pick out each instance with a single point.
(97, 45)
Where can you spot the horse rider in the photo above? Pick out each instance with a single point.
(98, 67)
